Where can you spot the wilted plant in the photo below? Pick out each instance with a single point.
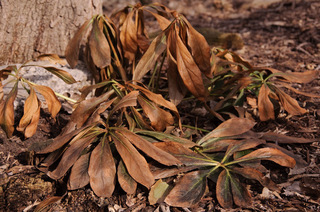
(235, 77)
(224, 156)
(117, 136)
(29, 122)
(98, 152)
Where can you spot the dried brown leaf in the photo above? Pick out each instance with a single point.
(177, 90)
(189, 190)
(84, 110)
(299, 77)
(158, 99)
(102, 170)
(127, 183)
(161, 136)
(150, 57)
(52, 58)
(254, 174)
(289, 104)
(183, 154)
(217, 145)
(243, 145)
(69, 157)
(60, 140)
(240, 193)
(52, 101)
(284, 139)
(223, 190)
(7, 111)
(99, 46)
(272, 154)
(79, 176)
(127, 101)
(231, 127)
(136, 164)
(200, 49)
(31, 112)
(265, 106)
(31, 129)
(163, 22)
(189, 71)
(128, 37)
(159, 118)
(149, 149)
(312, 95)
(72, 50)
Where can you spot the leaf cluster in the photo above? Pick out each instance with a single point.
(120, 136)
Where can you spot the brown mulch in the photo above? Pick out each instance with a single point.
(285, 36)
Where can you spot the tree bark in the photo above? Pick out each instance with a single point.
(29, 28)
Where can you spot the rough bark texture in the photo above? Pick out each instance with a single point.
(32, 27)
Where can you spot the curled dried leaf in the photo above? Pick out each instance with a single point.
(150, 57)
(7, 111)
(99, 46)
(265, 106)
(271, 154)
(52, 101)
(200, 49)
(52, 58)
(289, 104)
(159, 118)
(29, 121)
(72, 50)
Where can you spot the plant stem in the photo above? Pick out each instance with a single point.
(194, 128)
(57, 94)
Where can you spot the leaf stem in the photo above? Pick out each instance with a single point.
(57, 94)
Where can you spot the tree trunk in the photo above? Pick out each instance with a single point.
(32, 27)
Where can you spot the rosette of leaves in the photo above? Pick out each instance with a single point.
(29, 121)
(225, 156)
(99, 152)
(235, 78)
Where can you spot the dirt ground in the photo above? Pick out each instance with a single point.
(285, 36)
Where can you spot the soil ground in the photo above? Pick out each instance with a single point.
(285, 36)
